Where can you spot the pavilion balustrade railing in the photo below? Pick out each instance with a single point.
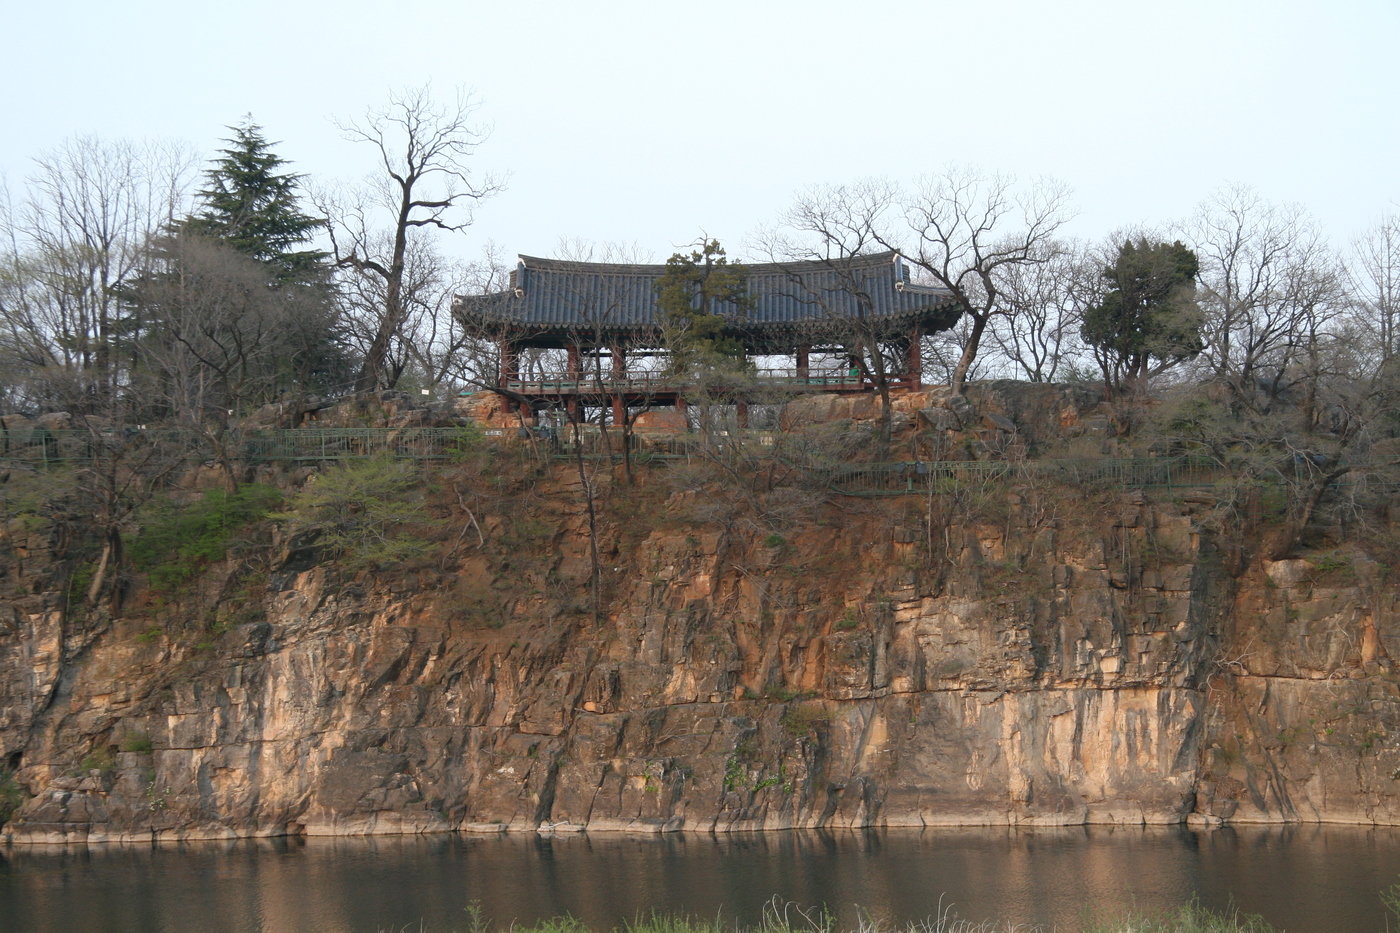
(662, 382)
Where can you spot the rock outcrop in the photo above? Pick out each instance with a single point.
(1019, 656)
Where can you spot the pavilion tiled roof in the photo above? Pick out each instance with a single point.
(551, 298)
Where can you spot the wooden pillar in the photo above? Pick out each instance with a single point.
(510, 370)
(913, 360)
(619, 375)
(572, 388)
(804, 363)
(510, 362)
(741, 413)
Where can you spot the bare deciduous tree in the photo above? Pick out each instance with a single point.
(1269, 286)
(423, 149)
(828, 226)
(970, 232)
(1375, 283)
(1043, 306)
(962, 231)
(80, 233)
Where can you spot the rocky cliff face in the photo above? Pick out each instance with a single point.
(1030, 654)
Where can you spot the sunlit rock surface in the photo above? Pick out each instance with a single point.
(1045, 658)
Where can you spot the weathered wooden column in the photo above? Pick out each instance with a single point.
(572, 370)
(510, 363)
(510, 369)
(914, 360)
(619, 378)
(804, 364)
(573, 366)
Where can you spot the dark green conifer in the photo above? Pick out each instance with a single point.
(249, 204)
(1149, 319)
(697, 295)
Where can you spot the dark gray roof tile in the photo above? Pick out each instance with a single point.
(551, 295)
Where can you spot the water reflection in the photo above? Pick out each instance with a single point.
(1306, 879)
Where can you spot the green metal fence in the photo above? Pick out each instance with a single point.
(41, 447)
(923, 476)
(320, 444)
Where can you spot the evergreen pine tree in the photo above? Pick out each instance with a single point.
(252, 206)
(694, 294)
(1149, 319)
(231, 286)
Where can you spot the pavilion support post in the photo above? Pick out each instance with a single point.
(913, 359)
(510, 363)
(574, 365)
(804, 364)
(510, 369)
(619, 377)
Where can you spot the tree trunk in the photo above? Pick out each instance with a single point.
(969, 353)
(1281, 542)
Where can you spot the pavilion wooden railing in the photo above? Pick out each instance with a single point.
(661, 382)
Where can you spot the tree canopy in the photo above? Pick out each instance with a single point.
(1149, 318)
(230, 312)
(691, 293)
(252, 206)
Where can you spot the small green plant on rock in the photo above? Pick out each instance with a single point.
(735, 774)
(11, 795)
(1334, 566)
(136, 742)
(361, 512)
(801, 718)
(99, 759)
(177, 541)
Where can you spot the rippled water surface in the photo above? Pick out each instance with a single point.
(1304, 880)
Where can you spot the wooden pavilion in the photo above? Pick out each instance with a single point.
(860, 319)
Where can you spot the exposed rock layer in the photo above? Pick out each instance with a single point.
(1041, 657)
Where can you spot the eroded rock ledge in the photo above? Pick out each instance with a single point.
(1040, 657)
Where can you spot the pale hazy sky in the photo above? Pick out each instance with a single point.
(649, 122)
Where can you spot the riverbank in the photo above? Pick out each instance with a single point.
(792, 918)
(1311, 879)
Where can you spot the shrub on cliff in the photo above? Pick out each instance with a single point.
(11, 795)
(363, 513)
(177, 541)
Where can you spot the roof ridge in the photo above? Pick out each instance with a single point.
(859, 261)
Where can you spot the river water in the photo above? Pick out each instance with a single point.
(1303, 879)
